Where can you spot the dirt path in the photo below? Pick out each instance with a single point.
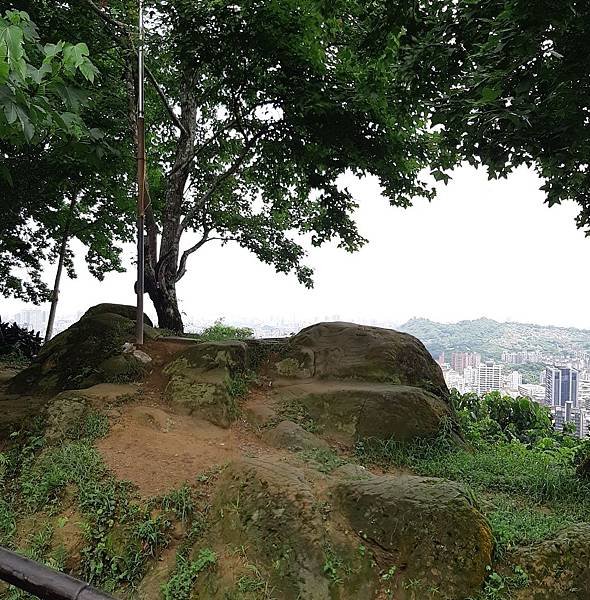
(158, 450)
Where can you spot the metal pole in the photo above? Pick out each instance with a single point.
(140, 181)
(44, 582)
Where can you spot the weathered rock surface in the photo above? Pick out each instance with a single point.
(557, 569)
(198, 380)
(87, 353)
(65, 414)
(429, 527)
(293, 437)
(353, 381)
(355, 411)
(123, 310)
(271, 509)
(349, 351)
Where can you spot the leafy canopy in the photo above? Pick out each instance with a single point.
(57, 150)
(39, 91)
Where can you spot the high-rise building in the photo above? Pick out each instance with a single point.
(461, 360)
(34, 320)
(561, 386)
(489, 377)
(514, 379)
(533, 391)
(584, 393)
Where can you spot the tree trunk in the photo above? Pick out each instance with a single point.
(163, 296)
(62, 255)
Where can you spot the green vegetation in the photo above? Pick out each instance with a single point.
(118, 533)
(522, 472)
(490, 338)
(238, 384)
(325, 460)
(180, 584)
(17, 344)
(219, 332)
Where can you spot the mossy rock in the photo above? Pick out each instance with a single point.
(429, 528)
(64, 417)
(205, 400)
(123, 310)
(204, 357)
(79, 357)
(349, 351)
(269, 508)
(555, 569)
(198, 380)
(357, 411)
(293, 437)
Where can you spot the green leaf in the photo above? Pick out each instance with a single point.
(489, 94)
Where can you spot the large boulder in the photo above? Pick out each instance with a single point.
(349, 351)
(123, 310)
(367, 410)
(555, 569)
(271, 509)
(354, 381)
(293, 437)
(89, 352)
(199, 377)
(429, 528)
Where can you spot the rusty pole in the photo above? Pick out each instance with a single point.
(140, 181)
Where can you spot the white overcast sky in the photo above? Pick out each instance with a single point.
(480, 248)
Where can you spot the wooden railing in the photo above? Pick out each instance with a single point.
(43, 582)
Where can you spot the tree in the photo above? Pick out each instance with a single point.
(57, 154)
(509, 86)
(37, 95)
(272, 102)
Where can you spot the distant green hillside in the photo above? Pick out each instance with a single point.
(490, 338)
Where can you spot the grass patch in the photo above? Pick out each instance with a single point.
(296, 412)
(324, 459)
(528, 494)
(182, 580)
(180, 502)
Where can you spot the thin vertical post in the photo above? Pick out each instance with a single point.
(60, 265)
(140, 180)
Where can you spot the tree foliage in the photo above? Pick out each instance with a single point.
(67, 144)
(40, 93)
(509, 86)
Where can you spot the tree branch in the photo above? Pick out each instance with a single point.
(218, 181)
(182, 264)
(151, 77)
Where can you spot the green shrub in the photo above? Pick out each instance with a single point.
(17, 342)
(219, 332)
(180, 501)
(495, 417)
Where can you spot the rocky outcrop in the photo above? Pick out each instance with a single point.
(428, 527)
(271, 509)
(89, 352)
(348, 351)
(353, 381)
(123, 310)
(293, 437)
(555, 569)
(199, 377)
(353, 411)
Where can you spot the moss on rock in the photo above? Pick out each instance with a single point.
(429, 527)
(80, 356)
(556, 569)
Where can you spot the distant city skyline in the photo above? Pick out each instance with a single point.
(480, 249)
